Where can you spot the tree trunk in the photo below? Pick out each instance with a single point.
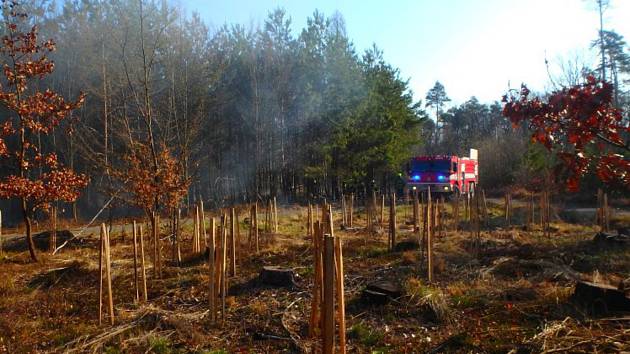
(29, 236)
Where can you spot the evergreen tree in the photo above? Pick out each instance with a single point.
(436, 98)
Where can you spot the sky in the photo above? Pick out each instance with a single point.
(474, 48)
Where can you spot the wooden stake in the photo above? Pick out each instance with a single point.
(374, 212)
(100, 272)
(382, 210)
(341, 308)
(211, 260)
(256, 226)
(392, 222)
(317, 281)
(485, 207)
(429, 236)
(437, 217)
(416, 212)
(309, 220)
(223, 270)
(466, 207)
(108, 273)
(507, 212)
(195, 237)
(425, 228)
(237, 238)
(135, 261)
(275, 215)
(232, 242)
(344, 215)
(456, 212)
(250, 232)
(477, 221)
(328, 311)
(159, 244)
(53, 231)
(179, 236)
(368, 217)
(350, 218)
(155, 245)
(268, 216)
(203, 222)
(144, 269)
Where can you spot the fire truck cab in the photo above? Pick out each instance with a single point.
(443, 173)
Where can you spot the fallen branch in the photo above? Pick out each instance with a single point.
(86, 226)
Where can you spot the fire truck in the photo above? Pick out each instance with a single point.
(443, 173)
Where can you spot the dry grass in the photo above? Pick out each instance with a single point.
(51, 306)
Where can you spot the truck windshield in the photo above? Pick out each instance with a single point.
(431, 166)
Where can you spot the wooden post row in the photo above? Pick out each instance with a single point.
(105, 257)
(328, 286)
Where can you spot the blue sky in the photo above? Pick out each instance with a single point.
(475, 48)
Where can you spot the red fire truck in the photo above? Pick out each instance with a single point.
(443, 173)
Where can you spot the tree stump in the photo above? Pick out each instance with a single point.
(600, 298)
(408, 245)
(277, 276)
(381, 292)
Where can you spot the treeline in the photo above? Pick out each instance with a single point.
(246, 112)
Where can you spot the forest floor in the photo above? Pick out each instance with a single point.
(511, 295)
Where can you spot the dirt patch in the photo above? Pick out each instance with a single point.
(514, 268)
(42, 241)
(72, 274)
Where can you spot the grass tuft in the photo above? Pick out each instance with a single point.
(429, 296)
(365, 335)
